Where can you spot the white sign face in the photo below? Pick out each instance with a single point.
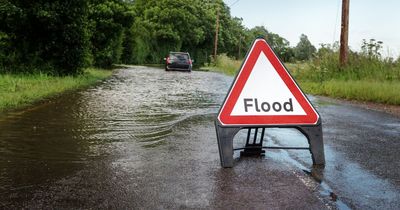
(265, 93)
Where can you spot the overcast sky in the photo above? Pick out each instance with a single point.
(320, 20)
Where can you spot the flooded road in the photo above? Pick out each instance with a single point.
(145, 139)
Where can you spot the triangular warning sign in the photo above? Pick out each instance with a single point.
(264, 93)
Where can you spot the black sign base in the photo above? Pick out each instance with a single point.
(254, 146)
(225, 135)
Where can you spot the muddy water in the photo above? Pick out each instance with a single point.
(145, 139)
(141, 106)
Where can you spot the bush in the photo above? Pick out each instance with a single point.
(50, 36)
(365, 65)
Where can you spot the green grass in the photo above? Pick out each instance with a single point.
(386, 92)
(18, 90)
(226, 65)
(364, 79)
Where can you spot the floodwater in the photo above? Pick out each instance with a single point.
(145, 139)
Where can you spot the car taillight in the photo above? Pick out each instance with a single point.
(190, 61)
(168, 61)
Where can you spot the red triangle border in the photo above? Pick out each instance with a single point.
(260, 45)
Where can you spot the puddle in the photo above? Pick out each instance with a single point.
(343, 181)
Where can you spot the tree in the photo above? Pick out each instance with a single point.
(171, 25)
(109, 20)
(304, 50)
(62, 37)
(48, 36)
(280, 45)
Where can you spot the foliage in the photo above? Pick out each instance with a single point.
(47, 35)
(109, 19)
(171, 25)
(279, 44)
(371, 49)
(62, 37)
(367, 64)
(367, 77)
(304, 50)
(128, 44)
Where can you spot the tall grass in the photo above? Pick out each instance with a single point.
(226, 65)
(18, 90)
(366, 77)
(386, 92)
(359, 67)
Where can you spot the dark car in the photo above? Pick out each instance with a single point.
(178, 61)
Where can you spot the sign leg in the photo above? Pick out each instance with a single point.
(315, 140)
(225, 144)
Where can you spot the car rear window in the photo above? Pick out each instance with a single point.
(178, 56)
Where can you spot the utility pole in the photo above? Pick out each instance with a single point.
(344, 34)
(216, 35)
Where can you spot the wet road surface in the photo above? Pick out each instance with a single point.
(145, 139)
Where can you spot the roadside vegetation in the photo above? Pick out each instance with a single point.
(48, 42)
(225, 64)
(367, 77)
(61, 38)
(18, 90)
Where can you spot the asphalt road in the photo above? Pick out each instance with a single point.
(145, 139)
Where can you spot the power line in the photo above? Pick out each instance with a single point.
(234, 3)
(336, 21)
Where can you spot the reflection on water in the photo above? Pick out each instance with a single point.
(141, 106)
(341, 178)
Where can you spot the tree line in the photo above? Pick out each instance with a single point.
(62, 37)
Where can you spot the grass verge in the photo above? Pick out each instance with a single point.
(18, 90)
(386, 92)
(373, 83)
(225, 65)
